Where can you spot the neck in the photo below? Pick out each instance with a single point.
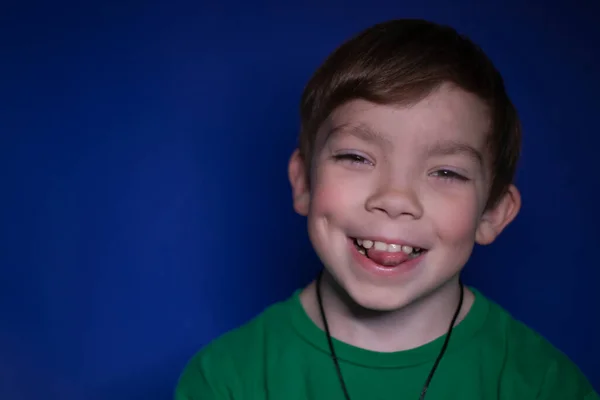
(420, 322)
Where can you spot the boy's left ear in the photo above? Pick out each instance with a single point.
(494, 220)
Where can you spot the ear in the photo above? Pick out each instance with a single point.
(497, 218)
(297, 173)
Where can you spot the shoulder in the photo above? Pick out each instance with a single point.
(213, 371)
(529, 357)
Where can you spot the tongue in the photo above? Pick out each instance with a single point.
(386, 258)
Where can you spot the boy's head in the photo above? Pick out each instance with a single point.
(408, 140)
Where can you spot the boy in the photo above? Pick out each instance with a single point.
(406, 159)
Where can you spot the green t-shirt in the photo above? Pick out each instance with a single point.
(282, 355)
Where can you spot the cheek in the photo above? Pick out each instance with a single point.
(333, 193)
(456, 222)
(331, 202)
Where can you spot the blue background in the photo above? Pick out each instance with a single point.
(145, 207)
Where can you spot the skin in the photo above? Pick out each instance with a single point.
(418, 174)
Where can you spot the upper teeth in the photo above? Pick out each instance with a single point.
(381, 246)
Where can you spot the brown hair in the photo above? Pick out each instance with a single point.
(401, 62)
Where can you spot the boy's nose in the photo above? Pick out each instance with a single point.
(395, 202)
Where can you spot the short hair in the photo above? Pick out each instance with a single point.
(402, 62)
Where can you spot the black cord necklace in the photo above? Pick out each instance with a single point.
(335, 358)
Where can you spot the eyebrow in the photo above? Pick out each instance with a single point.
(440, 148)
(362, 132)
(450, 147)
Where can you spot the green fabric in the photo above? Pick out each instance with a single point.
(283, 355)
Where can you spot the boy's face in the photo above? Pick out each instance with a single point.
(387, 181)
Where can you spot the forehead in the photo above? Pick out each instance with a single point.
(448, 113)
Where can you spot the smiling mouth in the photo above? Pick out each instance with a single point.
(386, 254)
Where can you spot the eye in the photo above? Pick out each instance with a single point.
(449, 175)
(352, 159)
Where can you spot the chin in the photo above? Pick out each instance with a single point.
(379, 305)
(378, 299)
